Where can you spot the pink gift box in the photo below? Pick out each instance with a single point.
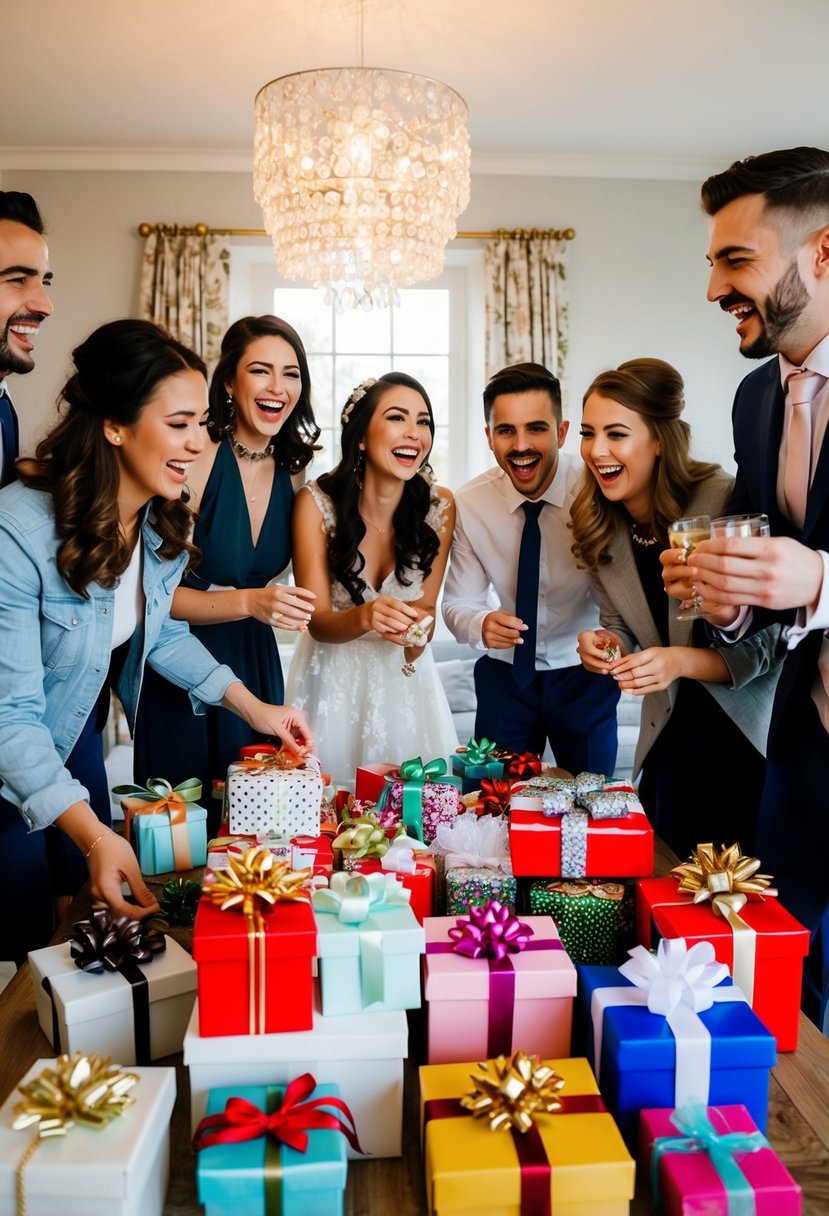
(689, 1183)
(478, 1008)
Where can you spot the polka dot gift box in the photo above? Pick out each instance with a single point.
(263, 795)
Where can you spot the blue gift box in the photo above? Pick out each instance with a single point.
(231, 1177)
(471, 774)
(153, 840)
(638, 1063)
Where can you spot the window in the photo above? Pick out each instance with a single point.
(436, 335)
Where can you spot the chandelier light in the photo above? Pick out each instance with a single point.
(361, 174)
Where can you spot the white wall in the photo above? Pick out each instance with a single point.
(637, 272)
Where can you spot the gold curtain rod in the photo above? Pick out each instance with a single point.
(553, 234)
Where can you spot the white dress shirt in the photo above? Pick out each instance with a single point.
(483, 565)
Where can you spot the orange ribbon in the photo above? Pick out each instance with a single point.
(176, 806)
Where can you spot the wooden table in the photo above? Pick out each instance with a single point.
(798, 1124)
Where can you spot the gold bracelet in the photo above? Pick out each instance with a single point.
(95, 841)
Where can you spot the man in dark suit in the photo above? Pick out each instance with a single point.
(769, 255)
(24, 304)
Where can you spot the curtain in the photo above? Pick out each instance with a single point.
(527, 316)
(184, 287)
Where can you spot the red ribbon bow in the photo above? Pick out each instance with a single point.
(297, 1116)
(520, 767)
(490, 931)
(494, 797)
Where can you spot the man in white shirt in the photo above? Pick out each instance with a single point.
(24, 303)
(556, 699)
(769, 255)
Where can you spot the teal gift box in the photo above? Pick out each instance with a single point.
(475, 762)
(263, 1176)
(153, 840)
(369, 944)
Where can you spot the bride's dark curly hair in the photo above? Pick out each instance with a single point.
(415, 542)
(297, 437)
(118, 369)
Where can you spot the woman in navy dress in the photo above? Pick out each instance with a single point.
(263, 430)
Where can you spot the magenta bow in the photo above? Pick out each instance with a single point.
(490, 931)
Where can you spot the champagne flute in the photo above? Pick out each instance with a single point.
(686, 534)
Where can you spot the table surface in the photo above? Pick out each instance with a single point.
(798, 1122)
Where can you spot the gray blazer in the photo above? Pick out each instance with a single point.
(754, 662)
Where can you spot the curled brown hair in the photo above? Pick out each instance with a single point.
(118, 369)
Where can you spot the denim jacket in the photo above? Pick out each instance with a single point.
(55, 654)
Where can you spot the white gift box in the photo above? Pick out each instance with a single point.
(265, 798)
(362, 1055)
(95, 1012)
(121, 1170)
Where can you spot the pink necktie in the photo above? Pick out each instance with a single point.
(801, 387)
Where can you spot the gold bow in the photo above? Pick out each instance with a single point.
(723, 876)
(510, 1093)
(75, 1089)
(256, 876)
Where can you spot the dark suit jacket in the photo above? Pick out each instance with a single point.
(8, 472)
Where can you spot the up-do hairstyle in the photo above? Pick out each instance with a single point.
(523, 378)
(118, 370)
(21, 208)
(655, 390)
(793, 179)
(294, 445)
(416, 543)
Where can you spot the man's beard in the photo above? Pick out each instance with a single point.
(780, 312)
(11, 360)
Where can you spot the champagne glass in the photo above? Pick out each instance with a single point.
(686, 534)
(741, 525)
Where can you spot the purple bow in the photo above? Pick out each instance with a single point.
(490, 931)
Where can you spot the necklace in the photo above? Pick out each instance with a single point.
(382, 531)
(645, 542)
(248, 453)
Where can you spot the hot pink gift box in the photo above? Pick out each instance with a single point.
(479, 1008)
(690, 1185)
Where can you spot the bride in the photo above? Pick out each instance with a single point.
(371, 540)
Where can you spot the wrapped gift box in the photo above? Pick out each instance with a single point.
(154, 840)
(481, 1007)
(687, 1179)
(415, 869)
(363, 1056)
(369, 945)
(577, 843)
(237, 985)
(471, 1169)
(232, 1177)
(476, 762)
(768, 963)
(471, 886)
(370, 780)
(82, 1011)
(720, 1055)
(314, 852)
(265, 797)
(424, 796)
(122, 1169)
(594, 917)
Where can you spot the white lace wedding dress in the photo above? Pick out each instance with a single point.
(362, 709)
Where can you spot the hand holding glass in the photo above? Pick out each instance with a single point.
(741, 525)
(686, 534)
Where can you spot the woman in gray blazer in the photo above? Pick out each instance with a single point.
(700, 754)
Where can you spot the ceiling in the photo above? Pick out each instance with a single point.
(579, 87)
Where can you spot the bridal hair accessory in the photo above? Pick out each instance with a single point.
(357, 394)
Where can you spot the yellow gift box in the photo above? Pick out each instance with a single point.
(474, 1171)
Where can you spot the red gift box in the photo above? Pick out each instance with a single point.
(370, 779)
(622, 847)
(772, 986)
(250, 983)
(313, 851)
(420, 881)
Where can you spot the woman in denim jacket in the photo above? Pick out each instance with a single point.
(93, 542)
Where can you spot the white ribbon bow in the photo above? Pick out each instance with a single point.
(400, 857)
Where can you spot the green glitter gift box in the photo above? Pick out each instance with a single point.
(472, 886)
(595, 919)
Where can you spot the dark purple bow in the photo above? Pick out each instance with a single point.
(105, 942)
(490, 931)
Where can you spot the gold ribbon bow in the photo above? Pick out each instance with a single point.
(510, 1093)
(80, 1089)
(723, 876)
(262, 762)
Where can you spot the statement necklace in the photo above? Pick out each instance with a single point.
(645, 542)
(248, 453)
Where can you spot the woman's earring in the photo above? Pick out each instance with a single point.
(230, 415)
(359, 468)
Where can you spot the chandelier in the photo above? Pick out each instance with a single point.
(361, 174)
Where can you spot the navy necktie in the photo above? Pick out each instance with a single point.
(7, 430)
(526, 594)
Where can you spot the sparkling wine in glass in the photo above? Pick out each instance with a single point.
(686, 534)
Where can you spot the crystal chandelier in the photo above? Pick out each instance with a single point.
(361, 174)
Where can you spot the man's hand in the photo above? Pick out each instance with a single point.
(501, 631)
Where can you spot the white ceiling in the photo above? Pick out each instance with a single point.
(662, 88)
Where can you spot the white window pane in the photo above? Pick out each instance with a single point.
(361, 332)
(322, 389)
(326, 459)
(304, 308)
(439, 456)
(352, 370)
(421, 323)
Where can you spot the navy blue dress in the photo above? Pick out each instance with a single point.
(170, 740)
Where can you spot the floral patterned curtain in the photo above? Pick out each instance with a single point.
(527, 316)
(184, 287)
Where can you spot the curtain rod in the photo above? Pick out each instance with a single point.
(553, 234)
